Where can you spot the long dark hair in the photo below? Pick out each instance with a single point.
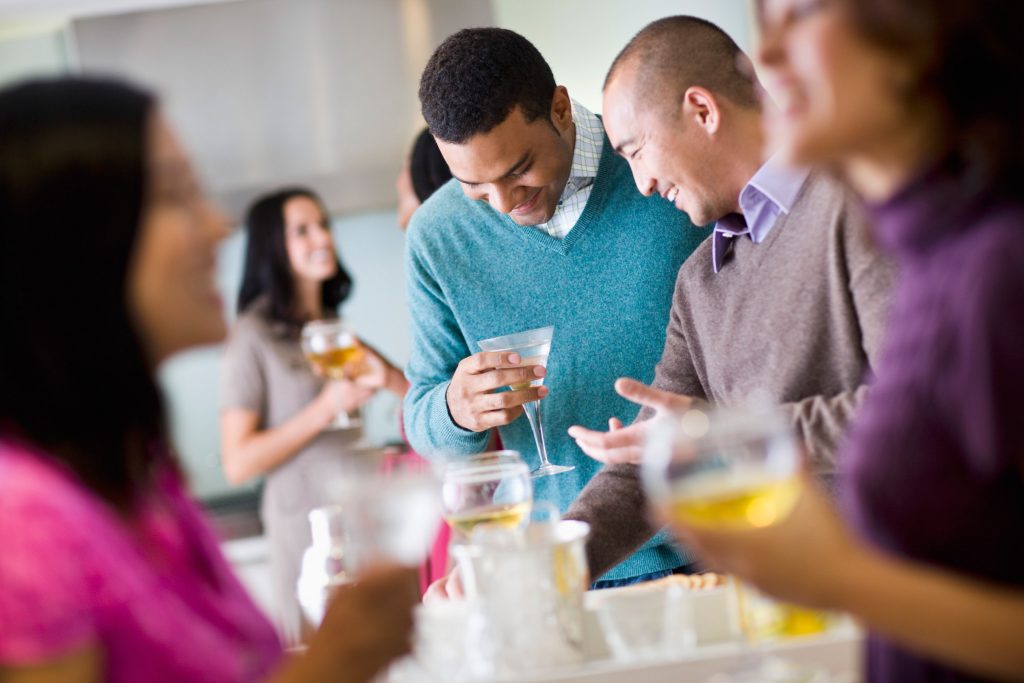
(75, 379)
(956, 47)
(267, 270)
(967, 59)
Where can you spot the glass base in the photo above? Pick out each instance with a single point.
(344, 421)
(549, 469)
(773, 670)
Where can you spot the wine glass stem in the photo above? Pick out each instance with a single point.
(753, 656)
(532, 410)
(341, 419)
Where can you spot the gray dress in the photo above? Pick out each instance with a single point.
(264, 371)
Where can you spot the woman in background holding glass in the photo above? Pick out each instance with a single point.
(277, 413)
(108, 570)
(917, 103)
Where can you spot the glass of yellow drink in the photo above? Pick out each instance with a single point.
(735, 470)
(332, 348)
(489, 488)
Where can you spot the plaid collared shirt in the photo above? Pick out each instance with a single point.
(586, 156)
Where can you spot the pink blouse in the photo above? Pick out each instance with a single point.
(155, 595)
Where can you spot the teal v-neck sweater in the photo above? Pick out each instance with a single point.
(472, 273)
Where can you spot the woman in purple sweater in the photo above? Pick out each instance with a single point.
(918, 105)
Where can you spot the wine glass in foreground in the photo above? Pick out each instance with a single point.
(488, 488)
(387, 518)
(533, 346)
(734, 470)
(331, 346)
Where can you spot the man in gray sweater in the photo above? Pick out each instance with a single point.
(787, 297)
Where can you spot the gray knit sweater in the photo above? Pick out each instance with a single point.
(799, 316)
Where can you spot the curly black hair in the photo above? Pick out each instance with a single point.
(477, 77)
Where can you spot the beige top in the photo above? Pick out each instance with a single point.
(264, 370)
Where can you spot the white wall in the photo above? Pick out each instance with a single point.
(580, 38)
(32, 49)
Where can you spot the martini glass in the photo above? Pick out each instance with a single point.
(533, 346)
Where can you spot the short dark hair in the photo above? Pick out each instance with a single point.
(676, 53)
(75, 378)
(267, 269)
(427, 168)
(477, 77)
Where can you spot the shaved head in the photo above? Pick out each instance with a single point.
(673, 54)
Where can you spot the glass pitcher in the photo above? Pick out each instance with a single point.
(529, 584)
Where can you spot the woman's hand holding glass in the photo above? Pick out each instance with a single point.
(377, 373)
(333, 350)
(801, 559)
(768, 523)
(728, 480)
(368, 624)
(342, 396)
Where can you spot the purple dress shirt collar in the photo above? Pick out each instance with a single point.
(771, 191)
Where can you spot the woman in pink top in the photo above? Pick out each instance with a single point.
(107, 570)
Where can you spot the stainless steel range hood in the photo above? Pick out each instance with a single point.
(267, 92)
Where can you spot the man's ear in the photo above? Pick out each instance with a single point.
(561, 109)
(700, 106)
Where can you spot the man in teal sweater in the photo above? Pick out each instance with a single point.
(541, 225)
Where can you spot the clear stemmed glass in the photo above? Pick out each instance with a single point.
(734, 470)
(488, 488)
(331, 346)
(533, 346)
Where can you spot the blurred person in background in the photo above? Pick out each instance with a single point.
(928, 552)
(108, 570)
(423, 173)
(276, 411)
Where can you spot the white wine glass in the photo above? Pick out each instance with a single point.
(332, 347)
(734, 470)
(488, 488)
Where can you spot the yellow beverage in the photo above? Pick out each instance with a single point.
(541, 360)
(800, 621)
(507, 516)
(734, 500)
(762, 618)
(338, 363)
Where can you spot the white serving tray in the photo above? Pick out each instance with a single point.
(719, 649)
(838, 650)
